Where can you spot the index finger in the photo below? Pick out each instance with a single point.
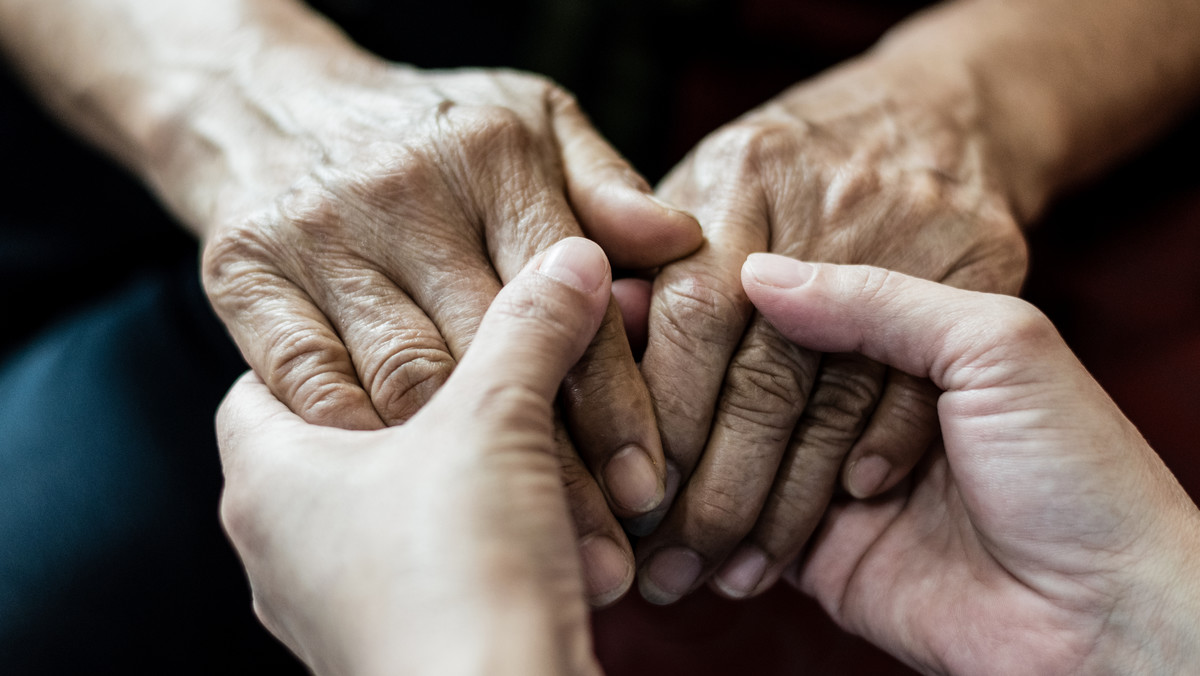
(923, 328)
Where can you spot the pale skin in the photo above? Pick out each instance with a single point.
(1042, 535)
(967, 567)
(442, 545)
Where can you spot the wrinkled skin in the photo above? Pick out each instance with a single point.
(364, 215)
(862, 165)
(442, 545)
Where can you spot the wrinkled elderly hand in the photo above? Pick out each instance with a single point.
(441, 546)
(1045, 537)
(871, 163)
(360, 216)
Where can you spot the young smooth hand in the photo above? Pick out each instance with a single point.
(443, 545)
(1041, 536)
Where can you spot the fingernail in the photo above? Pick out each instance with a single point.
(866, 475)
(576, 262)
(632, 481)
(669, 574)
(742, 572)
(645, 524)
(778, 271)
(607, 571)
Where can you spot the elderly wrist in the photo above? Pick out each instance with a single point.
(230, 120)
(1017, 119)
(927, 113)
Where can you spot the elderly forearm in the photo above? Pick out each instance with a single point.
(1067, 86)
(128, 75)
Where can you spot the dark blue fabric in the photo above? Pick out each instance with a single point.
(111, 367)
(111, 555)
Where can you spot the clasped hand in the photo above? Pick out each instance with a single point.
(353, 276)
(1041, 536)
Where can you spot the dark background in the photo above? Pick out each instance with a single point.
(157, 590)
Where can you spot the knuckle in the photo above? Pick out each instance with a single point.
(827, 437)
(493, 128)
(1000, 328)
(303, 367)
(854, 383)
(758, 146)
(828, 434)
(302, 227)
(765, 386)
(702, 306)
(1023, 322)
(722, 515)
(684, 414)
(927, 189)
(600, 380)
(233, 254)
(323, 398)
(295, 350)
(847, 191)
(312, 214)
(775, 143)
(838, 408)
(402, 380)
(750, 416)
